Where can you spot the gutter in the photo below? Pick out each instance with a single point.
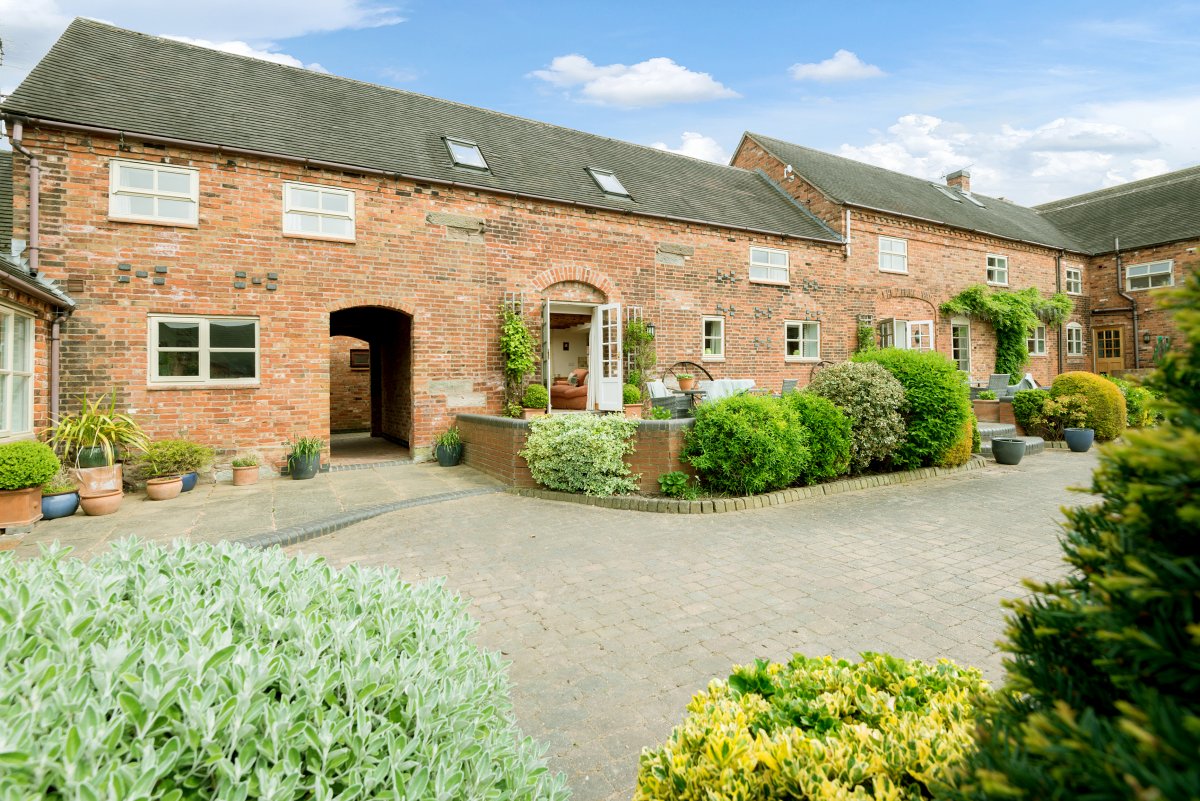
(1061, 326)
(35, 196)
(33, 290)
(351, 168)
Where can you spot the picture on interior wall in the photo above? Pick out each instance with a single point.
(566, 345)
(360, 359)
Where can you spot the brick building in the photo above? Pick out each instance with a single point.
(257, 251)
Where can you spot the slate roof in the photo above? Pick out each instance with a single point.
(22, 275)
(6, 201)
(857, 184)
(109, 77)
(1152, 211)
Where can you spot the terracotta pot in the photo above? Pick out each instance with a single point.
(96, 480)
(20, 507)
(686, 383)
(101, 503)
(245, 476)
(633, 411)
(164, 489)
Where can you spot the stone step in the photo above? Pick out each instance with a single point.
(989, 430)
(1033, 445)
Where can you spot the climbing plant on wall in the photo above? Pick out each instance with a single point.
(519, 352)
(639, 347)
(1013, 316)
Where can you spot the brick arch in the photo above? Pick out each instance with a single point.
(581, 275)
(903, 292)
(354, 301)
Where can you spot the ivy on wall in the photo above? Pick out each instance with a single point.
(1013, 316)
(519, 351)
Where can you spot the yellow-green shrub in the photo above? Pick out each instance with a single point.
(960, 451)
(884, 729)
(1106, 405)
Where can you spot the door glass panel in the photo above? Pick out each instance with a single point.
(3, 403)
(5, 322)
(608, 341)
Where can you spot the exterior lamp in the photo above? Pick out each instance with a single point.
(1145, 337)
(650, 330)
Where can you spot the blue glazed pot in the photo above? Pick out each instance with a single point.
(1079, 440)
(304, 467)
(189, 481)
(62, 505)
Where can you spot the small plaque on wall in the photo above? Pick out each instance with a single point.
(360, 359)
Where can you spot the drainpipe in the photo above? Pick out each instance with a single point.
(1137, 356)
(1061, 326)
(55, 338)
(847, 254)
(34, 197)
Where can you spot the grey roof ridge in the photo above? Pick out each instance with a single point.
(1120, 190)
(836, 236)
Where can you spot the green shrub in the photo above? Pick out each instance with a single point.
(220, 672)
(61, 482)
(1027, 405)
(960, 452)
(936, 402)
(26, 464)
(1102, 698)
(829, 435)
(581, 453)
(987, 394)
(678, 484)
(1139, 408)
(535, 397)
(660, 413)
(1106, 404)
(631, 394)
(1059, 414)
(746, 444)
(882, 728)
(871, 398)
(518, 352)
(172, 457)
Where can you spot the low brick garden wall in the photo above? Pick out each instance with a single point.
(491, 445)
(996, 411)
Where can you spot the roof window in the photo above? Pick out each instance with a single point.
(465, 153)
(608, 182)
(947, 193)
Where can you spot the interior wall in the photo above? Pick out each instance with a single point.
(564, 361)
(349, 390)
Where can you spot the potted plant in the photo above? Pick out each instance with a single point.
(304, 460)
(163, 464)
(1068, 414)
(986, 394)
(24, 467)
(193, 458)
(534, 401)
(100, 501)
(633, 401)
(449, 447)
(686, 381)
(93, 436)
(1008, 450)
(245, 471)
(60, 496)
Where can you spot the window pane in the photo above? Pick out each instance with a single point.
(304, 198)
(134, 205)
(467, 154)
(22, 344)
(3, 402)
(175, 209)
(223, 365)
(20, 419)
(179, 364)
(303, 223)
(759, 256)
(779, 259)
(231, 333)
(337, 226)
(135, 177)
(759, 273)
(335, 202)
(178, 334)
(5, 322)
(178, 182)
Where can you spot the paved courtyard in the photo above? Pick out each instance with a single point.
(612, 620)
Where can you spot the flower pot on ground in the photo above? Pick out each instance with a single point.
(1008, 450)
(245, 471)
(104, 502)
(304, 460)
(175, 457)
(534, 401)
(96, 480)
(93, 436)
(189, 480)
(449, 447)
(686, 381)
(632, 397)
(1079, 440)
(60, 497)
(24, 467)
(164, 488)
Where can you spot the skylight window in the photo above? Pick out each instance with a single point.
(947, 193)
(608, 182)
(465, 153)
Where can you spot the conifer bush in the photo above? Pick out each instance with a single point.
(1102, 699)
(871, 399)
(746, 444)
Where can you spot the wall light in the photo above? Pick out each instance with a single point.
(650, 329)
(1145, 337)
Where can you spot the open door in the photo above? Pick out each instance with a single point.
(606, 358)
(547, 368)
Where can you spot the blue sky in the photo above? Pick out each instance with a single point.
(1038, 100)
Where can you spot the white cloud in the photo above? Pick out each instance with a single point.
(842, 66)
(698, 146)
(243, 49)
(654, 82)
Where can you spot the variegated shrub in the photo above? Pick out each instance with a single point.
(217, 672)
(882, 729)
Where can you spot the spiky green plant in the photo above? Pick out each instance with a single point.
(96, 425)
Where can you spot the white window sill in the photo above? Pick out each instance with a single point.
(20, 436)
(802, 359)
(1149, 288)
(893, 272)
(1076, 294)
(997, 283)
(152, 221)
(320, 238)
(1037, 355)
(769, 282)
(208, 385)
(712, 358)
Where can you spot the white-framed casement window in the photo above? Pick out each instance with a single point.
(997, 270)
(318, 212)
(713, 339)
(906, 334)
(1150, 276)
(768, 265)
(1037, 341)
(1075, 280)
(802, 341)
(1074, 339)
(960, 344)
(143, 191)
(186, 349)
(16, 373)
(893, 255)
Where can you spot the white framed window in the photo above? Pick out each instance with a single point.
(319, 212)
(143, 191)
(802, 341)
(465, 153)
(713, 339)
(906, 334)
(16, 372)
(1037, 341)
(186, 349)
(1075, 280)
(1149, 276)
(893, 255)
(960, 344)
(997, 270)
(1074, 339)
(608, 182)
(769, 265)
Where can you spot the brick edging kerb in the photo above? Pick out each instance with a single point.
(721, 505)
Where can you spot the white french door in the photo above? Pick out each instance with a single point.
(920, 335)
(604, 374)
(547, 370)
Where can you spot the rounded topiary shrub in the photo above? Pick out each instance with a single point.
(26, 464)
(882, 728)
(871, 399)
(829, 435)
(581, 453)
(746, 444)
(535, 397)
(220, 672)
(936, 402)
(1106, 412)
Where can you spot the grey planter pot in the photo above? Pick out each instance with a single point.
(1007, 450)
(1079, 440)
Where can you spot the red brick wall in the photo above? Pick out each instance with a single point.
(349, 390)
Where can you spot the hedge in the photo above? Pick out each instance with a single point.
(829, 435)
(1106, 404)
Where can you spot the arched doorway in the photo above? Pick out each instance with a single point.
(370, 384)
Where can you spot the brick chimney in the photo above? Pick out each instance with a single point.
(960, 180)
